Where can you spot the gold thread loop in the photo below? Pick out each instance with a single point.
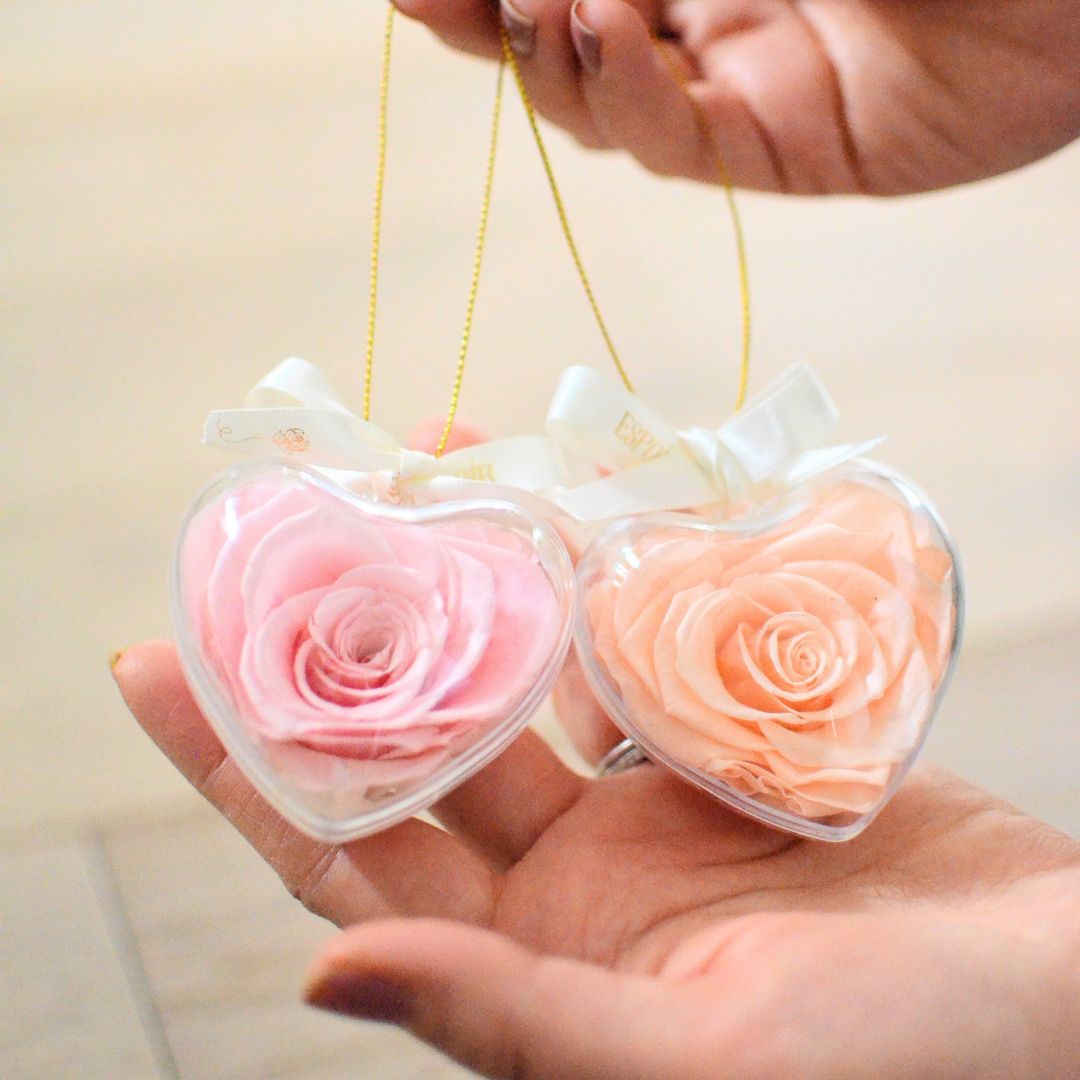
(481, 234)
(564, 221)
(729, 194)
(376, 214)
(380, 183)
(508, 57)
(705, 128)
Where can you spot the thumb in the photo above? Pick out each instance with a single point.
(504, 1011)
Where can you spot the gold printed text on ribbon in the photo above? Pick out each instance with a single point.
(635, 436)
(484, 472)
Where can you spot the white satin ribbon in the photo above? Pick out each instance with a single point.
(771, 446)
(294, 414)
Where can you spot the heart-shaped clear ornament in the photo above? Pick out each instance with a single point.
(359, 658)
(788, 661)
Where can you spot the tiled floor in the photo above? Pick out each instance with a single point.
(183, 192)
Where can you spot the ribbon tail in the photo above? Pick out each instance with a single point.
(668, 483)
(813, 462)
(526, 462)
(294, 382)
(327, 438)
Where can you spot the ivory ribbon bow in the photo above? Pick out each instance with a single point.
(769, 447)
(293, 412)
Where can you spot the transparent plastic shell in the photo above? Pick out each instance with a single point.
(360, 658)
(789, 663)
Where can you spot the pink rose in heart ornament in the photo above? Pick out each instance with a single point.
(360, 651)
(798, 667)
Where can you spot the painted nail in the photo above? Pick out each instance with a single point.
(520, 29)
(586, 40)
(363, 999)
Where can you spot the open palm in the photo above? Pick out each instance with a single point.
(802, 96)
(631, 927)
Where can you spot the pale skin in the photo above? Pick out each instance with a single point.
(882, 97)
(631, 928)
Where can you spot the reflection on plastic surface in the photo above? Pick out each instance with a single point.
(360, 658)
(792, 665)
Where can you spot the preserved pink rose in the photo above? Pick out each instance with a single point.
(359, 650)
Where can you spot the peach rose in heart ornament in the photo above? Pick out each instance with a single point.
(383, 645)
(798, 667)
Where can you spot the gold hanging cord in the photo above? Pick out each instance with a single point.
(376, 214)
(508, 57)
(485, 206)
(722, 174)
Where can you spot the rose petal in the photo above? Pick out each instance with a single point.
(310, 550)
(245, 524)
(523, 634)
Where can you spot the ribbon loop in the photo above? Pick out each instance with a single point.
(793, 414)
(772, 445)
(293, 383)
(294, 413)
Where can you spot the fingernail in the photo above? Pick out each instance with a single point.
(363, 999)
(586, 40)
(114, 658)
(520, 29)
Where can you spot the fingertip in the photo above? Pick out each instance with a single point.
(469, 25)
(140, 670)
(155, 689)
(337, 979)
(586, 39)
(377, 1000)
(408, 954)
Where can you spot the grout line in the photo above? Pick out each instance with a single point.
(107, 889)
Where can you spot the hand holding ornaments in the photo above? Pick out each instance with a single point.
(360, 658)
(365, 640)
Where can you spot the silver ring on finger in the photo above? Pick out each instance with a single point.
(625, 756)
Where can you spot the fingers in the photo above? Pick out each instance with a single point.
(539, 33)
(503, 810)
(506, 1012)
(411, 869)
(632, 94)
(639, 103)
(469, 25)
(769, 103)
(581, 715)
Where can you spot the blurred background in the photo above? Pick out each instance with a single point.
(184, 201)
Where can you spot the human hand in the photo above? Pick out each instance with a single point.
(633, 928)
(880, 97)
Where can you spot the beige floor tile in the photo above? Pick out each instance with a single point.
(67, 1011)
(282, 1039)
(225, 948)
